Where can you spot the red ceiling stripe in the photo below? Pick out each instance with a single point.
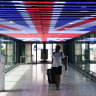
(77, 24)
(8, 27)
(37, 5)
(30, 1)
(39, 15)
(30, 35)
(42, 2)
(46, 2)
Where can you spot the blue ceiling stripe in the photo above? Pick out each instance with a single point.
(15, 20)
(2, 29)
(5, 1)
(46, 5)
(80, 2)
(89, 29)
(60, 22)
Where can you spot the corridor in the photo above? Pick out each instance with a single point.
(31, 80)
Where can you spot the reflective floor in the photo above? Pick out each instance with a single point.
(31, 80)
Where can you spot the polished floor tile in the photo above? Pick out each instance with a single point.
(31, 80)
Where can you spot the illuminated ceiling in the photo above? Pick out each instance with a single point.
(46, 20)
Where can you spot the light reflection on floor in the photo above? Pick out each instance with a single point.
(13, 76)
(31, 80)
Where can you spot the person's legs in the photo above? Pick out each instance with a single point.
(57, 79)
(57, 74)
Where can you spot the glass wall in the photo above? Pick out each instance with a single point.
(7, 49)
(83, 53)
(28, 53)
(34, 53)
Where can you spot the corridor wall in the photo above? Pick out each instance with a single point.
(82, 53)
(9, 49)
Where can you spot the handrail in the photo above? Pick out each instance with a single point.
(88, 73)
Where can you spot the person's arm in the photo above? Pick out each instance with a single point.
(52, 62)
(65, 63)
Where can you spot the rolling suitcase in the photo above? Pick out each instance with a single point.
(50, 75)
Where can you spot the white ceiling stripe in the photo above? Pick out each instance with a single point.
(29, 22)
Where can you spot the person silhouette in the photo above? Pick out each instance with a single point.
(57, 59)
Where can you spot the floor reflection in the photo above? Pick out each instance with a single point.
(31, 80)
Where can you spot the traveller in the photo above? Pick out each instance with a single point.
(57, 59)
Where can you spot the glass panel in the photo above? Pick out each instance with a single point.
(34, 48)
(93, 67)
(10, 60)
(28, 53)
(8, 50)
(83, 51)
(49, 48)
(54, 46)
(39, 49)
(93, 52)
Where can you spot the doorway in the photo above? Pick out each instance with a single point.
(42, 53)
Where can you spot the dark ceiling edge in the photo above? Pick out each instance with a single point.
(32, 41)
(83, 35)
(50, 42)
(10, 37)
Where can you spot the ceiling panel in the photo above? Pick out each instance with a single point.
(46, 20)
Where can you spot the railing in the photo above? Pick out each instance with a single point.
(88, 73)
(25, 59)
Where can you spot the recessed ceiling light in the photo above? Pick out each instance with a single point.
(11, 22)
(71, 23)
(65, 28)
(84, 11)
(60, 2)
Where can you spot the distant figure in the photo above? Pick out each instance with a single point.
(57, 59)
